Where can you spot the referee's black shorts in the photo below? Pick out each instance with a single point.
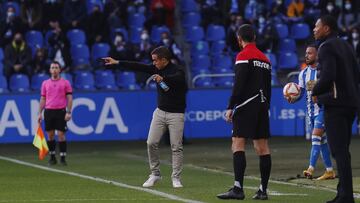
(55, 119)
(252, 121)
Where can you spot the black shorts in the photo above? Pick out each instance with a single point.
(252, 121)
(55, 119)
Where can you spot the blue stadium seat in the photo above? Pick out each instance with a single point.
(79, 51)
(99, 50)
(194, 33)
(135, 35)
(196, 70)
(217, 47)
(282, 30)
(225, 81)
(123, 31)
(202, 61)
(189, 6)
(200, 48)
(126, 80)
(136, 20)
(76, 36)
(204, 82)
(90, 4)
(19, 83)
(215, 33)
(76, 62)
(84, 80)
(287, 45)
(287, 60)
(272, 59)
(274, 79)
(1, 68)
(67, 76)
(1, 54)
(300, 31)
(34, 37)
(222, 61)
(37, 79)
(156, 32)
(3, 85)
(105, 80)
(191, 19)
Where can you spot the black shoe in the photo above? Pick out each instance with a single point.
(52, 161)
(260, 195)
(231, 194)
(63, 162)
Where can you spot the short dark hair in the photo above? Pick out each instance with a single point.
(312, 45)
(57, 63)
(329, 21)
(162, 52)
(246, 32)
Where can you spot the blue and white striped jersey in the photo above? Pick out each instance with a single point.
(309, 73)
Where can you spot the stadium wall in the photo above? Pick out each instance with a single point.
(126, 115)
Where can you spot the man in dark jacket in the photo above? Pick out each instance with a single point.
(338, 90)
(169, 115)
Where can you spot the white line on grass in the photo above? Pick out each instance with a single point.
(356, 195)
(119, 184)
(82, 200)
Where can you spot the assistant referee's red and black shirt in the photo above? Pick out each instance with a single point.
(252, 75)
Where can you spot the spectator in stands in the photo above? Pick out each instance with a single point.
(253, 10)
(120, 49)
(58, 49)
(267, 36)
(231, 40)
(210, 12)
(354, 40)
(74, 14)
(163, 12)
(31, 14)
(295, 9)
(348, 17)
(9, 25)
(97, 27)
(115, 13)
(167, 41)
(39, 63)
(142, 53)
(17, 57)
(278, 11)
(331, 9)
(52, 14)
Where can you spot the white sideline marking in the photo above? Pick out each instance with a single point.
(119, 184)
(275, 193)
(356, 195)
(80, 200)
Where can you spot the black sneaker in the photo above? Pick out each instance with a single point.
(260, 195)
(231, 194)
(63, 161)
(52, 161)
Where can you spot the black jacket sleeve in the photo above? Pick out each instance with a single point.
(241, 72)
(327, 61)
(136, 66)
(178, 78)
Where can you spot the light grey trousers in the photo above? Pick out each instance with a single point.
(162, 121)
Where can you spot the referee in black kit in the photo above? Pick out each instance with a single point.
(248, 111)
(338, 90)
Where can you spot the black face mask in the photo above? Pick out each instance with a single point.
(18, 41)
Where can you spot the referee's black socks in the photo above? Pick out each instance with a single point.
(265, 169)
(62, 147)
(239, 162)
(51, 144)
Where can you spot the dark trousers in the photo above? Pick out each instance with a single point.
(338, 123)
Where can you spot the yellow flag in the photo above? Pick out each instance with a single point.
(40, 143)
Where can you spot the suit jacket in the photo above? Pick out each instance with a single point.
(339, 78)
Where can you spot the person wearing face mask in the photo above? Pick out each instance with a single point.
(17, 57)
(39, 63)
(266, 34)
(96, 26)
(9, 25)
(277, 10)
(348, 17)
(331, 9)
(354, 40)
(168, 42)
(31, 14)
(120, 48)
(74, 14)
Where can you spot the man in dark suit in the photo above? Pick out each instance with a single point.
(338, 90)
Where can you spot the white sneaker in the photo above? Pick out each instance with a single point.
(151, 181)
(176, 183)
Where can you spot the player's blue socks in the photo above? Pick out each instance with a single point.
(315, 150)
(325, 152)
